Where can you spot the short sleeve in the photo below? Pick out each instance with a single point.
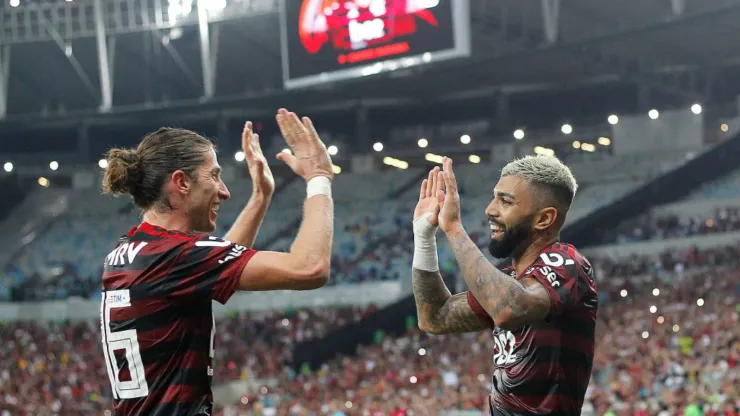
(209, 266)
(558, 273)
(478, 310)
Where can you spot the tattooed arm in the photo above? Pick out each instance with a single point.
(511, 303)
(440, 312)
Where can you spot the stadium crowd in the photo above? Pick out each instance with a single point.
(687, 354)
(58, 367)
(658, 227)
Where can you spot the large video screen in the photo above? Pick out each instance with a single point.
(331, 40)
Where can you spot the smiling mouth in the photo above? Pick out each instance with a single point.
(496, 229)
(214, 210)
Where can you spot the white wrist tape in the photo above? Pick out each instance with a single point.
(319, 185)
(425, 245)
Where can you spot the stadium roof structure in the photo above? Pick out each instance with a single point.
(105, 58)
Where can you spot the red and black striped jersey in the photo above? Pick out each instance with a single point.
(544, 368)
(157, 322)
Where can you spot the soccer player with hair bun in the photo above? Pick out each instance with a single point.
(159, 281)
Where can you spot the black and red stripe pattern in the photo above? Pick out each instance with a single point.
(544, 368)
(157, 319)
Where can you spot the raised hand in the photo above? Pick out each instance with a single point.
(449, 215)
(262, 179)
(431, 197)
(310, 157)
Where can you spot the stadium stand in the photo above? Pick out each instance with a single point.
(62, 259)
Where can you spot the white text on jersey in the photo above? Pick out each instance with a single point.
(235, 252)
(117, 258)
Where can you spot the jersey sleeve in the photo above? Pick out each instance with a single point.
(558, 273)
(479, 311)
(209, 266)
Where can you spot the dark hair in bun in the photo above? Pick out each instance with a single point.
(142, 172)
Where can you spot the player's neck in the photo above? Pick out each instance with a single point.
(530, 254)
(168, 221)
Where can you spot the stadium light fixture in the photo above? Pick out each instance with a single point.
(333, 150)
(576, 144)
(336, 169)
(15, 3)
(656, 292)
(239, 156)
(724, 127)
(396, 163)
(103, 163)
(540, 150)
(566, 129)
(660, 320)
(676, 328)
(53, 165)
(474, 159)
(423, 143)
(44, 182)
(588, 147)
(348, 404)
(700, 302)
(518, 134)
(696, 109)
(613, 119)
(464, 139)
(422, 352)
(431, 157)
(177, 9)
(653, 309)
(653, 114)
(413, 379)
(378, 147)
(8, 166)
(604, 141)
(645, 334)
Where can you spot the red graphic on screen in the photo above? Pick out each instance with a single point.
(358, 24)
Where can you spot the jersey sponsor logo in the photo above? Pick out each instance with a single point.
(235, 252)
(118, 298)
(551, 276)
(125, 253)
(504, 351)
(555, 260)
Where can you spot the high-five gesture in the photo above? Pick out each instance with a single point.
(449, 215)
(431, 197)
(310, 157)
(262, 179)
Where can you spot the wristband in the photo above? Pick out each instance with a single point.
(318, 185)
(425, 245)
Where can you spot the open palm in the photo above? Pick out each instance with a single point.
(431, 197)
(259, 170)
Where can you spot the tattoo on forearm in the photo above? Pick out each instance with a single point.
(439, 312)
(501, 295)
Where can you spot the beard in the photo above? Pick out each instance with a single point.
(514, 239)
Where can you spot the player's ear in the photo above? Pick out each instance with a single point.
(545, 218)
(181, 181)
